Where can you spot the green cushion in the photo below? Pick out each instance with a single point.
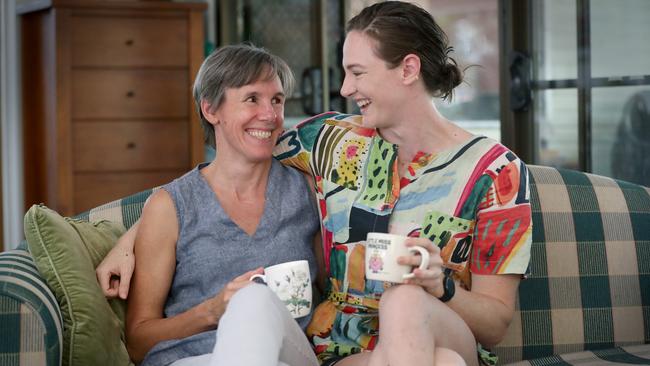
(66, 252)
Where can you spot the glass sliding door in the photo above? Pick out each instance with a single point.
(589, 83)
(555, 71)
(620, 98)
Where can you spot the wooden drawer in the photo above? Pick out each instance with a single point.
(115, 41)
(130, 94)
(92, 190)
(129, 146)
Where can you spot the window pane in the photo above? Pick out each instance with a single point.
(555, 41)
(621, 133)
(556, 123)
(273, 27)
(620, 45)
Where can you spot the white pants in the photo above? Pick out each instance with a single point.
(256, 330)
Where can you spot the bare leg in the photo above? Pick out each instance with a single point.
(418, 329)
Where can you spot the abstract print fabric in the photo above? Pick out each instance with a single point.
(471, 200)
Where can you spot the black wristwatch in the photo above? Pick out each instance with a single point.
(449, 286)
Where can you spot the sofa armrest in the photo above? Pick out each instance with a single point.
(29, 312)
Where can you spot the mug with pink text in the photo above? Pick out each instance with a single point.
(382, 251)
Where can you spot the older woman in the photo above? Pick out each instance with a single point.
(203, 236)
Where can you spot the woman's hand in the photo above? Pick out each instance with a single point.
(216, 306)
(431, 278)
(115, 271)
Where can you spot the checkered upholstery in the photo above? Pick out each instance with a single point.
(589, 287)
(586, 302)
(30, 319)
(31, 330)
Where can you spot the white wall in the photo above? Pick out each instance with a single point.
(10, 128)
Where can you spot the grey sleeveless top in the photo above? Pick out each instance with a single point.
(212, 249)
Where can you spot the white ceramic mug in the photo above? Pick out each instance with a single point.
(291, 281)
(382, 251)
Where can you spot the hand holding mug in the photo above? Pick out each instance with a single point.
(217, 304)
(430, 278)
(382, 254)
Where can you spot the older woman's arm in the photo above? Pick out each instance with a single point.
(155, 246)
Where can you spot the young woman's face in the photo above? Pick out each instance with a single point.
(369, 82)
(250, 119)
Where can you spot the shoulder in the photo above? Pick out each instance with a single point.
(286, 176)
(308, 130)
(187, 177)
(332, 118)
(158, 220)
(158, 203)
(494, 156)
(186, 186)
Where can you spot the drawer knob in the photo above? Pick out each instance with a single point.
(130, 94)
(130, 145)
(129, 42)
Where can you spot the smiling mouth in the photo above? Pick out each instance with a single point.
(259, 134)
(363, 103)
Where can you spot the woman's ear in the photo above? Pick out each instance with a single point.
(208, 113)
(410, 68)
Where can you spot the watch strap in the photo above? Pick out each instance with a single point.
(449, 286)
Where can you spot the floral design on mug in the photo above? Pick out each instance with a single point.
(291, 289)
(376, 264)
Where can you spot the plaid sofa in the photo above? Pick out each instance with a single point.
(586, 301)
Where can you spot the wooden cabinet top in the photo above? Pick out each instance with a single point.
(28, 6)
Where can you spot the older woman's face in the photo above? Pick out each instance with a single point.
(250, 120)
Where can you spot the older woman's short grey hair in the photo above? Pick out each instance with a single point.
(233, 67)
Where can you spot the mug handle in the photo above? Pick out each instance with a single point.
(424, 264)
(263, 277)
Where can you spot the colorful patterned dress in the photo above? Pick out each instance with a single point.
(471, 200)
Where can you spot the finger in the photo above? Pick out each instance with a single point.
(435, 262)
(434, 259)
(103, 277)
(246, 276)
(233, 289)
(234, 286)
(422, 242)
(427, 274)
(410, 260)
(115, 283)
(125, 283)
(430, 282)
(112, 291)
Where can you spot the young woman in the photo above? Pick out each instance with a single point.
(403, 168)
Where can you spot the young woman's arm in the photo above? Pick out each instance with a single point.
(115, 271)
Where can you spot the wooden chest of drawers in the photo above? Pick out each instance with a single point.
(107, 102)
